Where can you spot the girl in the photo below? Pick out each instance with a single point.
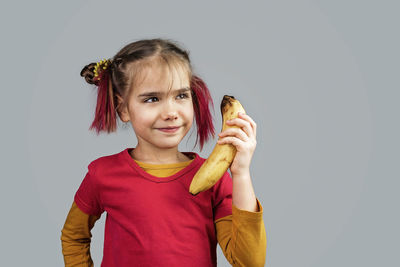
(152, 218)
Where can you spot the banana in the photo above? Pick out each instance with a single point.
(222, 155)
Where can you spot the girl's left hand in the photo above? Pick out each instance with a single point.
(244, 139)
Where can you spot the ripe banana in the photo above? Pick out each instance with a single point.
(222, 156)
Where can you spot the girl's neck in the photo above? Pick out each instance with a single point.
(157, 158)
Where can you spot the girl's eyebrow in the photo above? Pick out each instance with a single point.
(182, 90)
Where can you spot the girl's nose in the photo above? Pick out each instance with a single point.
(170, 115)
(169, 111)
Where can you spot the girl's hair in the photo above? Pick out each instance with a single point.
(121, 75)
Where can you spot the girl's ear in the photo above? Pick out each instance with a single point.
(122, 112)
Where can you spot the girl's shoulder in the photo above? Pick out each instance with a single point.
(105, 161)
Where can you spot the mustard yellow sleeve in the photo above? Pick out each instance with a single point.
(242, 237)
(76, 237)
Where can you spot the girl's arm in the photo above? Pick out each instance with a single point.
(247, 243)
(76, 237)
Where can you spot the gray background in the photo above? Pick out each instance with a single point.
(320, 78)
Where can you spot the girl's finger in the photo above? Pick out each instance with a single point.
(238, 132)
(252, 122)
(231, 140)
(243, 123)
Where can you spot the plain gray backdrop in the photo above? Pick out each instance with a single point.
(320, 79)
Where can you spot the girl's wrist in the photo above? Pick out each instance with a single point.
(243, 175)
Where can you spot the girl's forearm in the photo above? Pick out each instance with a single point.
(76, 238)
(243, 196)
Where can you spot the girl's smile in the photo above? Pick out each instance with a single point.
(169, 130)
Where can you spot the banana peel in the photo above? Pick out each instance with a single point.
(221, 157)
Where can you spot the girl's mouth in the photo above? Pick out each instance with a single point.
(169, 130)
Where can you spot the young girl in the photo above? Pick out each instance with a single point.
(152, 218)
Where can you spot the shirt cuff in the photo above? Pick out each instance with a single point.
(245, 214)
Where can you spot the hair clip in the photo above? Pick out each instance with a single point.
(103, 64)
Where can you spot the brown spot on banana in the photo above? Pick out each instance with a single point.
(220, 159)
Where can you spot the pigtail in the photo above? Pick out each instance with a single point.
(105, 114)
(201, 100)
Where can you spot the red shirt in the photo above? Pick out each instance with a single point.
(154, 221)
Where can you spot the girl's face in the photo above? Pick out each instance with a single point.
(153, 106)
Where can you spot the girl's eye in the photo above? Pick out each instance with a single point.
(149, 98)
(182, 96)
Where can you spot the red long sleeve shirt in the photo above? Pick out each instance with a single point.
(155, 221)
